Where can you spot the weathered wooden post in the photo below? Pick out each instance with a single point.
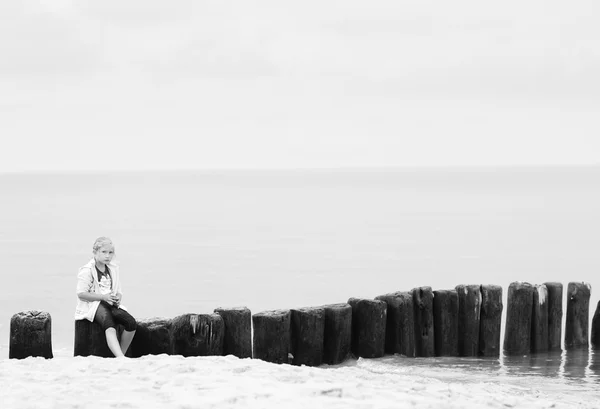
(337, 334)
(30, 335)
(539, 319)
(596, 329)
(272, 336)
(517, 337)
(197, 335)
(469, 308)
(490, 320)
(308, 327)
(400, 325)
(445, 322)
(368, 327)
(152, 337)
(424, 332)
(90, 339)
(555, 314)
(238, 331)
(578, 309)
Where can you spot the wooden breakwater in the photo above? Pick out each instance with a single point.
(464, 321)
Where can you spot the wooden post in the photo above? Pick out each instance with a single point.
(197, 335)
(238, 331)
(272, 336)
(517, 337)
(596, 329)
(30, 335)
(308, 326)
(469, 308)
(539, 319)
(445, 322)
(424, 332)
(555, 315)
(368, 327)
(152, 337)
(400, 325)
(337, 335)
(490, 320)
(90, 339)
(578, 309)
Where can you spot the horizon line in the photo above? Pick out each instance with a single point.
(448, 167)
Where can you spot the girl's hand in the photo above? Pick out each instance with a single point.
(117, 299)
(108, 298)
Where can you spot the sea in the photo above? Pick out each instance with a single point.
(193, 241)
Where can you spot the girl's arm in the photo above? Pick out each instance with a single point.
(87, 296)
(85, 288)
(84, 281)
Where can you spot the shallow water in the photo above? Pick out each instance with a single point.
(580, 365)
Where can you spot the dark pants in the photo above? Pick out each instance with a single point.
(108, 316)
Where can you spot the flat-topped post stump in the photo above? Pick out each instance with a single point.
(445, 322)
(517, 336)
(424, 331)
(307, 335)
(90, 339)
(152, 337)
(238, 331)
(469, 309)
(337, 333)
(368, 327)
(596, 329)
(555, 315)
(539, 319)
(578, 309)
(30, 335)
(400, 325)
(490, 321)
(272, 336)
(197, 335)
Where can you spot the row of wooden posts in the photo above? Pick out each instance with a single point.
(465, 321)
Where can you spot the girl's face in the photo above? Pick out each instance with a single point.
(104, 254)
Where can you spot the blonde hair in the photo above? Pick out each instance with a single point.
(100, 242)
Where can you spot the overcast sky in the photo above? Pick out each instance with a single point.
(149, 84)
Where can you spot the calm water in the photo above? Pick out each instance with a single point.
(194, 241)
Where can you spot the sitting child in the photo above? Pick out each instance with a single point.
(99, 297)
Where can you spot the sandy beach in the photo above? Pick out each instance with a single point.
(228, 382)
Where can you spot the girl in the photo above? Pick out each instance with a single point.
(99, 297)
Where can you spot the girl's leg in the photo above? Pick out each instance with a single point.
(123, 317)
(113, 342)
(105, 319)
(126, 338)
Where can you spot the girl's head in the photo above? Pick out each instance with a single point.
(104, 250)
